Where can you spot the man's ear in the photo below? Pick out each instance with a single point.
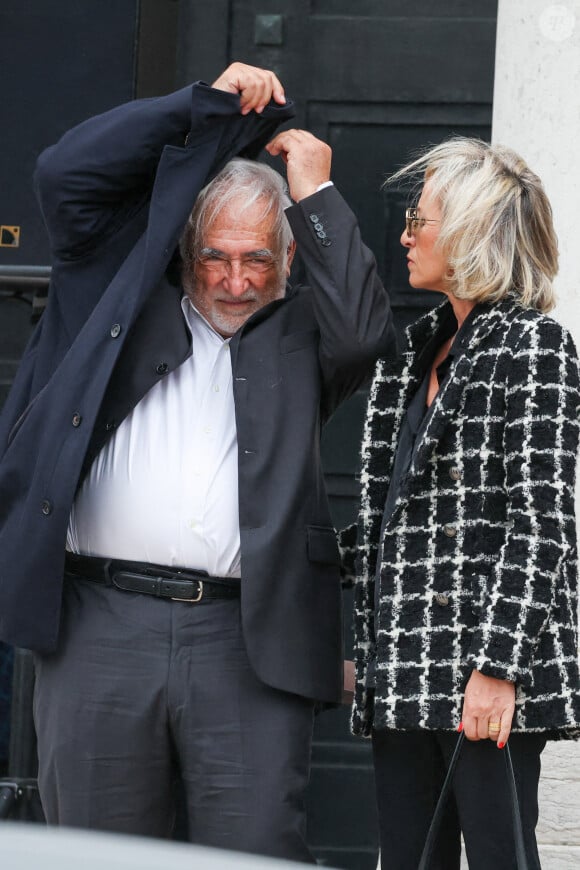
(290, 256)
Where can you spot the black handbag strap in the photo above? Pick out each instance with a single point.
(427, 854)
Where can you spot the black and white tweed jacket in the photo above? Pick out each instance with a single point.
(479, 566)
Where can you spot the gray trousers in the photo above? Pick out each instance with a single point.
(142, 690)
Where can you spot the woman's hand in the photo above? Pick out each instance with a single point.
(488, 709)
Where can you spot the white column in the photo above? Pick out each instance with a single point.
(536, 111)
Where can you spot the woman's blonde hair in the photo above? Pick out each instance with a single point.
(496, 221)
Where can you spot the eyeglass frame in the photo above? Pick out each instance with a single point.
(411, 217)
(262, 259)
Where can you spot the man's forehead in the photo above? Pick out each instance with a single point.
(236, 217)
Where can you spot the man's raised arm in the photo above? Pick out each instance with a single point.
(102, 170)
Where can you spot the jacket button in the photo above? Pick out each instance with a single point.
(321, 234)
(326, 242)
(318, 226)
(450, 530)
(115, 330)
(46, 507)
(109, 425)
(455, 473)
(162, 368)
(314, 218)
(442, 599)
(76, 420)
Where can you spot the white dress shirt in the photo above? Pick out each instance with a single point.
(164, 488)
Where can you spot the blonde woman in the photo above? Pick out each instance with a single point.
(466, 573)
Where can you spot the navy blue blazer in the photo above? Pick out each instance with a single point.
(116, 192)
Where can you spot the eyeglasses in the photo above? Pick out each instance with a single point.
(254, 263)
(413, 222)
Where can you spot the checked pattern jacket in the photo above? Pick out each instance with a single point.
(479, 560)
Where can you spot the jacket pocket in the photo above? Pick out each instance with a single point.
(322, 545)
(297, 340)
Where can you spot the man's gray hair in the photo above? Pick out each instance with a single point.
(246, 182)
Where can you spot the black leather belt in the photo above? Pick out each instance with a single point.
(178, 584)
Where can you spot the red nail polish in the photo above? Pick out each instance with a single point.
(460, 727)
(500, 745)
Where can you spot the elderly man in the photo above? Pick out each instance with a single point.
(164, 430)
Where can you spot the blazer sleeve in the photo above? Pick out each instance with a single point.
(102, 171)
(351, 305)
(541, 446)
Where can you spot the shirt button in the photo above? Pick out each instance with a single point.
(76, 420)
(455, 473)
(115, 330)
(314, 218)
(161, 368)
(442, 599)
(450, 530)
(46, 507)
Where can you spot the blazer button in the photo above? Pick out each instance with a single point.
(46, 507)
(76, 420)
(321, 234)
(318, 226)
(455, 473)
(314, 218)
(450, 530)
(109, 425)
(115, 330)
(162, 368)
(326, 242)
(442, 599)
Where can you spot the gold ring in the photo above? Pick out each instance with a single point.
(494, 726)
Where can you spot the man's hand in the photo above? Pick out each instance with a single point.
(488, 708)
(307, 161)
(348, 682)
(255, 86)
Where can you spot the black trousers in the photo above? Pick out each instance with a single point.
(142, 689)
(410, 767)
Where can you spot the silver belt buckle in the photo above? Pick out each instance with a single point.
(192, 600)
